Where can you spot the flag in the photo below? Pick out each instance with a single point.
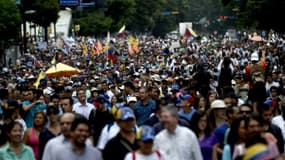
(40, 77)
(93, 51)
(193, 33)
(53, 61)
(111, 56)
(106, 46)
(121, 33)
(99, 47)
(133, 45)
(84, 49)
(189, 32)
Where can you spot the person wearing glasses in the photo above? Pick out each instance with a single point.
(245, 110)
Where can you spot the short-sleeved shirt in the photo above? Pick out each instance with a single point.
(117, 148)
(84, 110)
(220, 133)
(67, 153)
(143, 112)
(29, 116)
(6, 153)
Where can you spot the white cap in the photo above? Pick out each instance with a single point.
(218, 104)
(131, 99)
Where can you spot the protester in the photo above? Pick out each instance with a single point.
(82, 107)
(32, 135)
(52, 130)
(15, 149)
(145, 107)
(31, 105)
(77, 149)
(199, 124)
(99, 117)
(185, 141)
(145, 136)
(124, 141)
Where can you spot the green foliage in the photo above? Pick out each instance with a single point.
(97, 23)
(47, 12)
(121, 12)
(9, 20)
(260, 14)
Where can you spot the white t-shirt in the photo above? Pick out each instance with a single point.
(139, 156)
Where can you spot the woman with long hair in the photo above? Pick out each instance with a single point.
(31, 136)
(200, 126)
(236, 140)
(15, 149)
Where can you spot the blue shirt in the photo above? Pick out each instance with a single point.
(29, 117)
(143, 112)
(220, 133)
(186, 115)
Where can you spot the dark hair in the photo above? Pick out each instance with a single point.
(53, 109)
(78, 119)
(233, 134)
(54, 96)
(42, 113)
(11, 125)
(69, 98)
(229, 111)
(195, 120)
(253, 116)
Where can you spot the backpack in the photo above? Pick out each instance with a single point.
(256, 73)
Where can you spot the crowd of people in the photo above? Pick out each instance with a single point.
(199, 98)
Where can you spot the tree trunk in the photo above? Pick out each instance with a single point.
(46, 33)
(54, 25)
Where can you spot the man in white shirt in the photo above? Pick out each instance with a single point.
(176, 142)
(82, 107)
(280, 119)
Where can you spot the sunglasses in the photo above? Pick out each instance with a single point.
(244, 112)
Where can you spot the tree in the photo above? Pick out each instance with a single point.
(9, 23)
(146, 16)
(94, 23)
(47, 13)
(121, 12)
(9, 20)
(260, 14)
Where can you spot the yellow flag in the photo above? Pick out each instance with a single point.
(84, 49)
(133, 45)
(93, 52)
(53, 61)
(40, 77)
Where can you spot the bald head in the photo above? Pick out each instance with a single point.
(65, 123)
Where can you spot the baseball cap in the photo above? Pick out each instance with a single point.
(125, 113)
(145, 133)
(132, 99)
(218, 104)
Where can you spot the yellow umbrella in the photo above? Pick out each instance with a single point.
(61, 70)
